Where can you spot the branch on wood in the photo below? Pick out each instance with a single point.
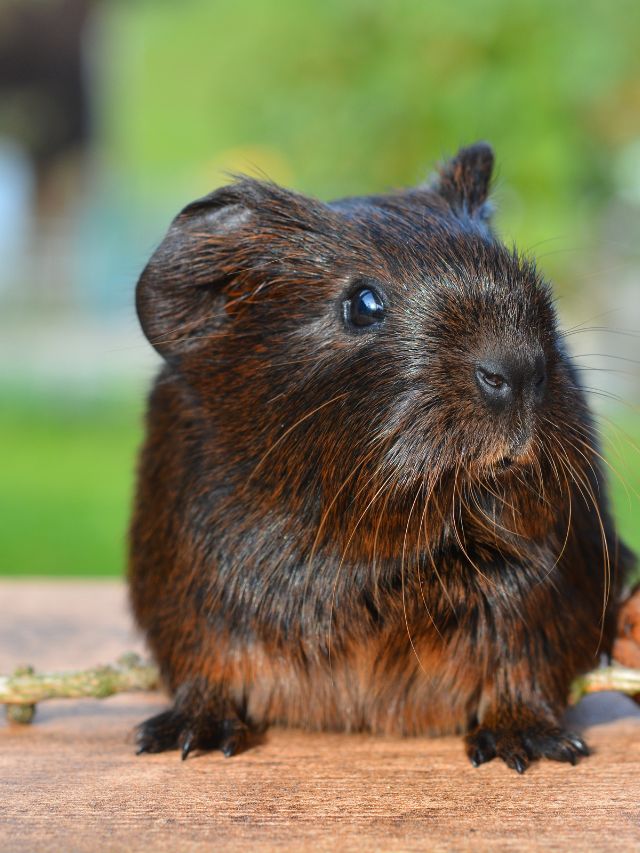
(21, 691)
(614, 677)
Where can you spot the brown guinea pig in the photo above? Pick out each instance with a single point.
(370, 497)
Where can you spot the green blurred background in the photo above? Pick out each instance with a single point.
(114, 114)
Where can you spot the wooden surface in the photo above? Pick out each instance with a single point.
(72, 782)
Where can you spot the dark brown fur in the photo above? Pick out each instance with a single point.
(332, 529)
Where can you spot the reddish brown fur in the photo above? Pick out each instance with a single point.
(326, 531)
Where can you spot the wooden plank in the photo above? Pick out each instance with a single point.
(71, 781)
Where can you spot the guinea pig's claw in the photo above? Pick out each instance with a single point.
(159, 733)
(516, 762)
(518, 747)
(186, 743)
(175, 730)
(229, 748)
(232, 737)
(482, 749)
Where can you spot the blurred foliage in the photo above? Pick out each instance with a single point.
(331, 98)
(65, 490)
(347, 96)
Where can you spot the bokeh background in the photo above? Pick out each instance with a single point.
(114, 114)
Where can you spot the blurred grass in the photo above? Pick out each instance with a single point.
(621, 449)
(66, 485)
(331, 98)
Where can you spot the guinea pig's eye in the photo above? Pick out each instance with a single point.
(364, 308)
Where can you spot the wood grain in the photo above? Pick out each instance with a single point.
(72, 782)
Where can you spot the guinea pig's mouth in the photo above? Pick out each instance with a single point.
(521, 457)
(505, 455)
(493, 465)
(505, 461)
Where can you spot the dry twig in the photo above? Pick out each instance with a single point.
(21, 691)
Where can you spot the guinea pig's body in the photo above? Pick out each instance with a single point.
(371, 496)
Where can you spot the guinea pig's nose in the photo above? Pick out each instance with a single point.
(501, 381)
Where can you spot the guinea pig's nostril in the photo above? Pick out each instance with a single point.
(495, 385)
(503, 380)
(494, 380)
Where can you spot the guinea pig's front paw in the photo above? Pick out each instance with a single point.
(518, 747)
(176, 730)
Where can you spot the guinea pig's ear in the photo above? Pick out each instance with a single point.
(464, 181)
(180, 294)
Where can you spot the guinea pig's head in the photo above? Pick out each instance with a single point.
(390, 336)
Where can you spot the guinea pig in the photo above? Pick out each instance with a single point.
(371, 495)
